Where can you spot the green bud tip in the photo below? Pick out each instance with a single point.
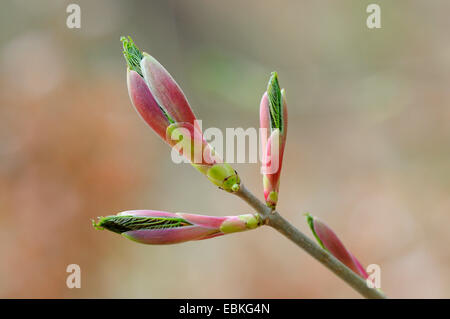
(310, 220)
(132, 54)
(97, 226)
(275, 102)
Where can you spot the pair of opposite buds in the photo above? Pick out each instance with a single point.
(164, 107)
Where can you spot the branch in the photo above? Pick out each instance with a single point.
(275, 220)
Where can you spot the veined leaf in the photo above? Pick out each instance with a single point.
(122, 224)
(275, 102)
(132, 54)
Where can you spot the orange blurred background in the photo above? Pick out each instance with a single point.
(367, 151)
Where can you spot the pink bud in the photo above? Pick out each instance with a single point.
(166, 91)
(155, 116)
(162, 104)
(329, 240)
(157, 228)
(145, 104)
(273, 122)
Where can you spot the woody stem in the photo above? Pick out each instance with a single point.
(273, 219)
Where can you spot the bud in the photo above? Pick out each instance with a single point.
(224, 176)
(273, 118)
(162, 104)
(166, 91)
(158, 228)
(145, 104)
(329, 241)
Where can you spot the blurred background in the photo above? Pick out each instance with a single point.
(367, 151)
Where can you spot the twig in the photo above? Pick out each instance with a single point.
(275, 220)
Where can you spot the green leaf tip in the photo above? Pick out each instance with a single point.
(310, 220)
(132, 54)
(275, 102)
(122, 224)
(97, 225)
